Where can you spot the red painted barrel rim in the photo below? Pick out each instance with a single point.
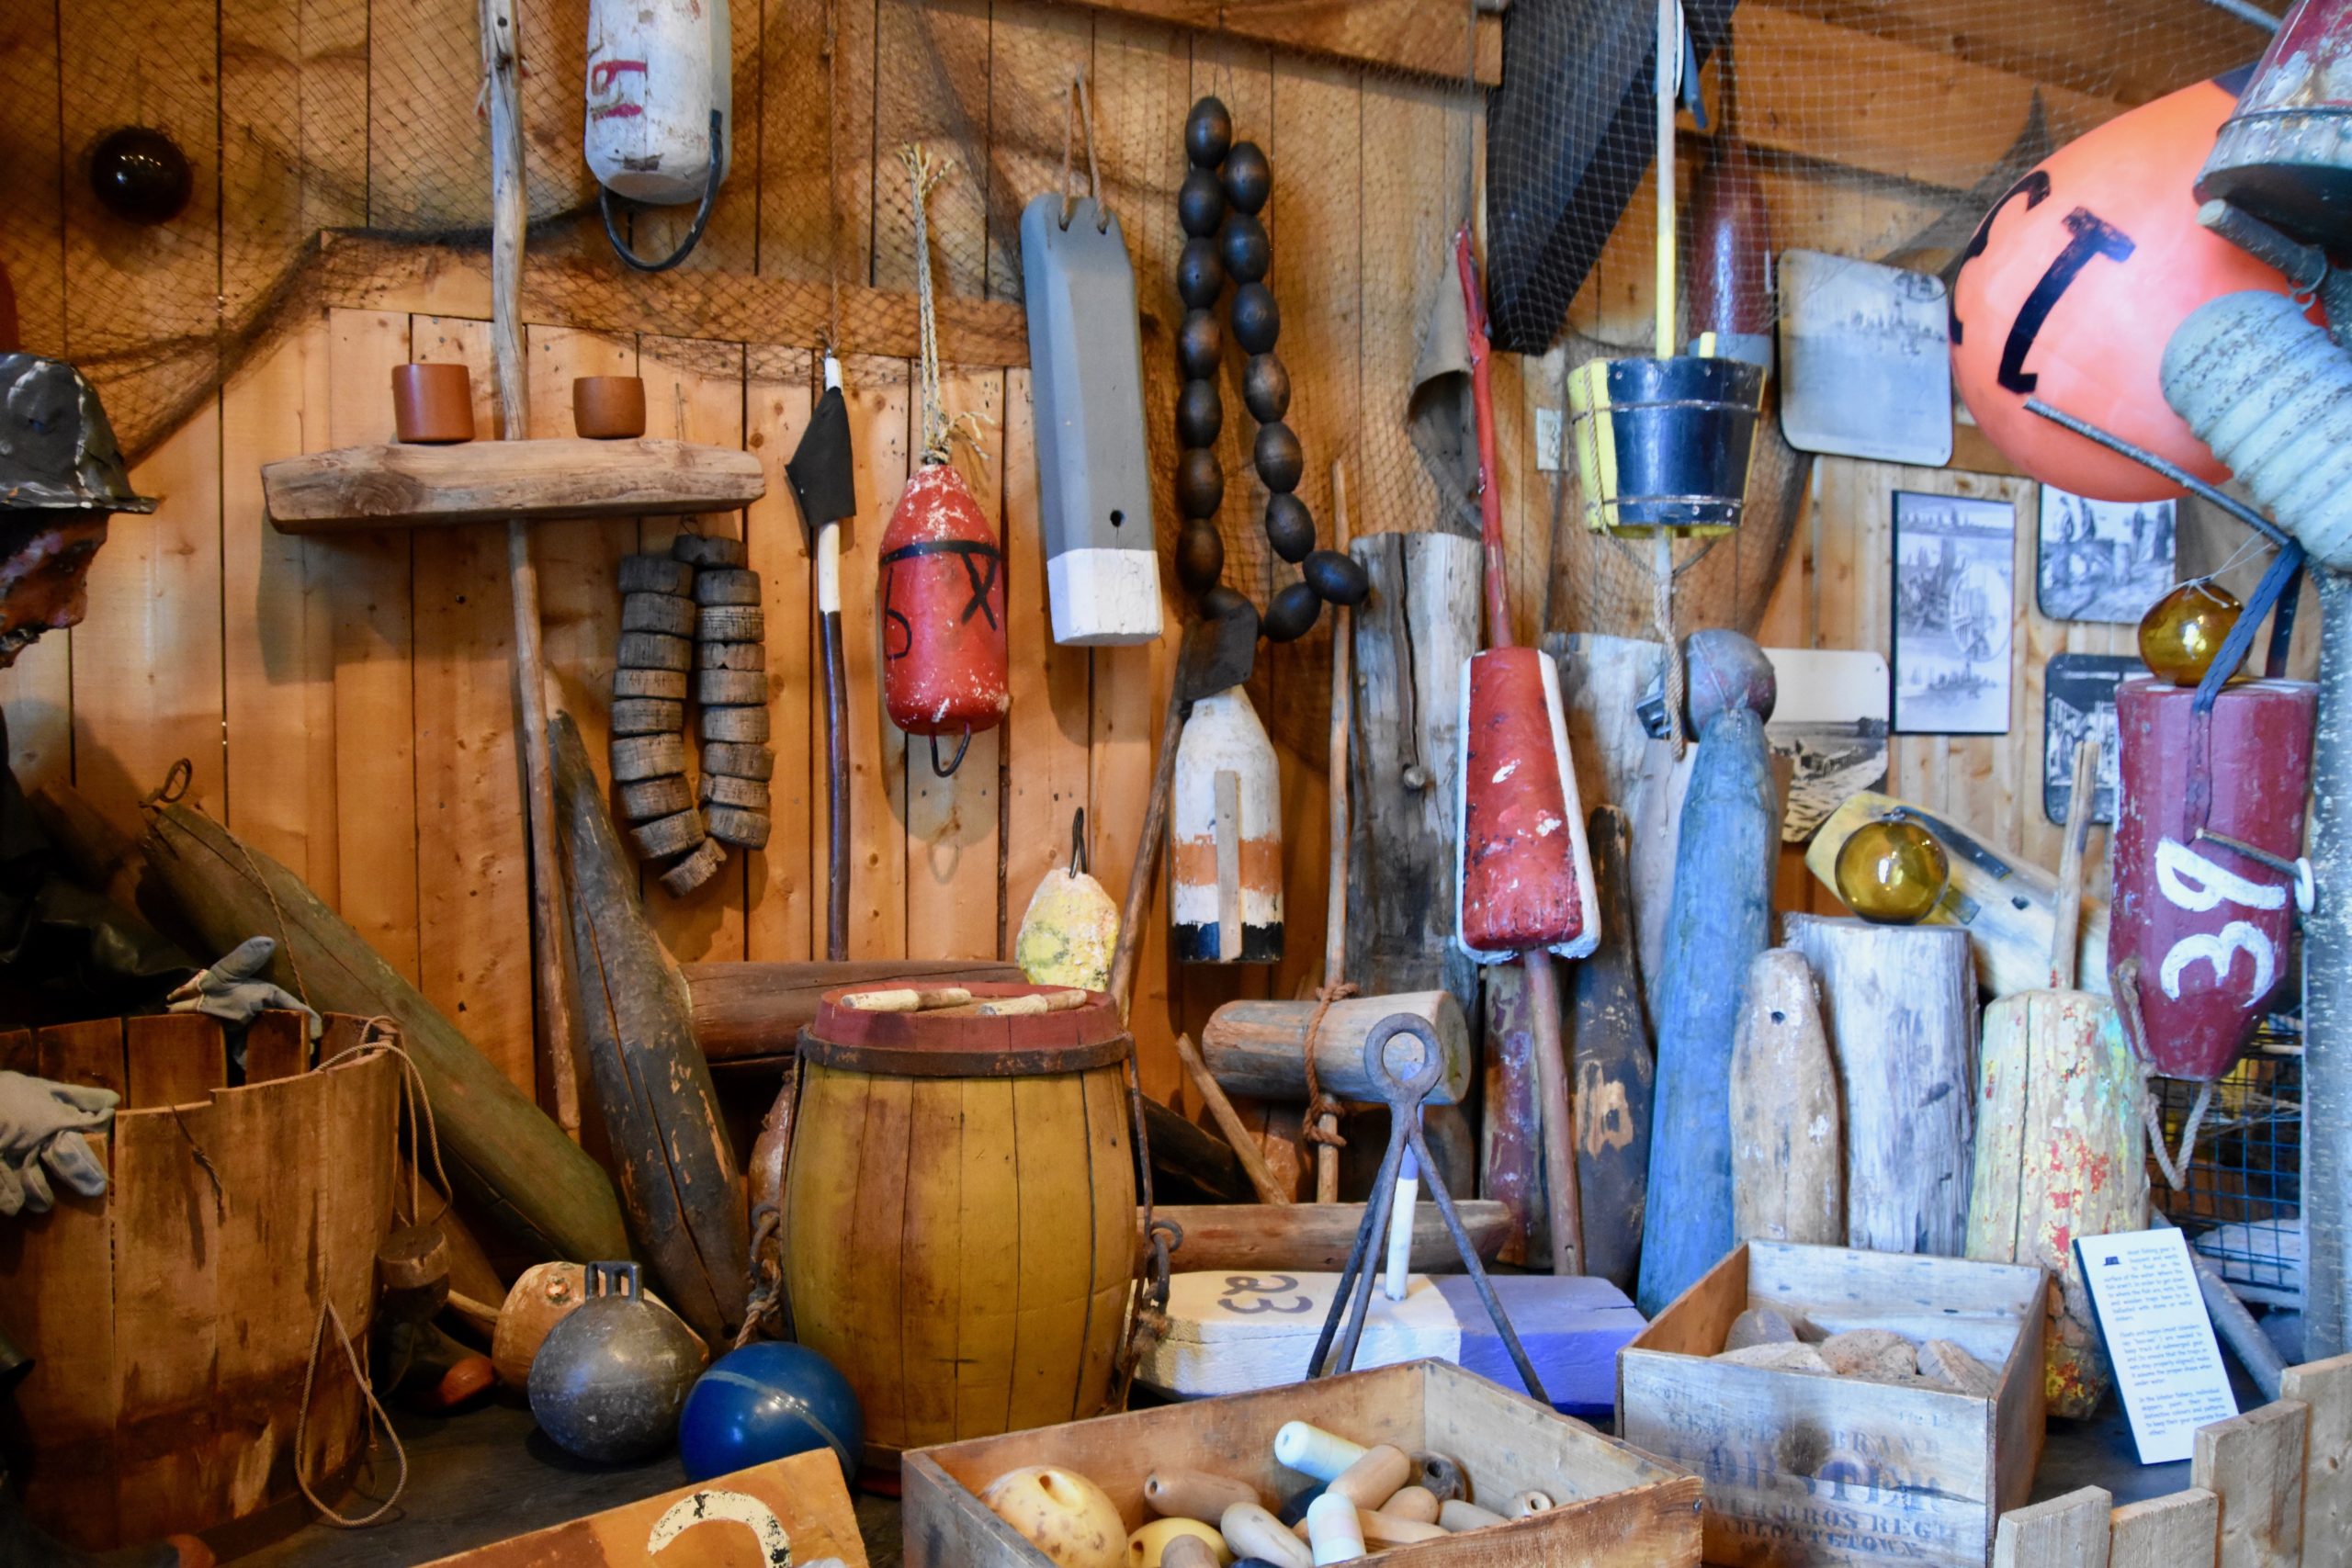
(913, 1044)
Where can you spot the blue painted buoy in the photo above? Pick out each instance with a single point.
(765, 1402)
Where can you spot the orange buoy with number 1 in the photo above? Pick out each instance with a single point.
(945, 668)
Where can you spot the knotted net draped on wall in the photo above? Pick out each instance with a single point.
(341, 151)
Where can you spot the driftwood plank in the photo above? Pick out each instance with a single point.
(1611, 1068)
(2175, 1531)
(2064, 1532)
(1314, 1237)
(2326, 1387)
(677, 1171)
(1900, 1003)
(2255, 1465)
(1788, 1161)
(487, 481)
(749, 1010)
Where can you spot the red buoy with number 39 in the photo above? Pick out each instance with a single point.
(2073, 284)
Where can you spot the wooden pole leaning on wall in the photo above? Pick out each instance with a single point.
(501, 50)
(1335, 916)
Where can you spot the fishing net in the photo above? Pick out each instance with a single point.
(337, 145)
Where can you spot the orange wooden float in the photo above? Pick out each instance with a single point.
(170, 1320)
(959, 1215)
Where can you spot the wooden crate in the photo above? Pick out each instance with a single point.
(1806, 1469)
(1618, 1508)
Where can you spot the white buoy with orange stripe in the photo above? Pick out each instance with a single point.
(1225, 837)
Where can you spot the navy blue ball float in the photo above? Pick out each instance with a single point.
(765, 1402)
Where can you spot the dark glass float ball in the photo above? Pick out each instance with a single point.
(1200, 415)
(1292, 614)
(1279, 458)
(1200, 483)
(1290, 527)
(1200, 277)
(1208, 133)
(1257, 320)
(1222, 604)
(1247, 177)
(140, 175)
(1200, 344)
(1199, 558)
(1335, 577)
(1245, 248)
(1265, 388)
(1200, 204)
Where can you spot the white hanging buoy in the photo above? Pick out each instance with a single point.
(1225, 836)
(660, 109)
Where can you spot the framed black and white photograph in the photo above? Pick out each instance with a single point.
(2102, 561)
(2078, 704)
(1955, 588)
(1830, 721)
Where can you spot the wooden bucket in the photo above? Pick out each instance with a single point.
(170, 1320)
(959, 1216)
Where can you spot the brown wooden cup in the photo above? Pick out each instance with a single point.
(433, 403)
(608, 408)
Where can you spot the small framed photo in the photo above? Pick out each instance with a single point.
(2078, 704)
(1955, 598)
(2102, 561)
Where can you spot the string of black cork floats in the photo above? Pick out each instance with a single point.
(1223, 192)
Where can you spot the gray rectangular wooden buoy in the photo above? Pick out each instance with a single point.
(1086, 366)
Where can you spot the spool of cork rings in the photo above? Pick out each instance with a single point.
(608, 408)
(433, 404)
(730, 685)
(649, 684)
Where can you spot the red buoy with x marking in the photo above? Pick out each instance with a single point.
(944, 670)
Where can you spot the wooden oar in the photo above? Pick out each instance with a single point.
(1335, 907)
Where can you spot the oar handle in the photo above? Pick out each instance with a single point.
(1482, 403)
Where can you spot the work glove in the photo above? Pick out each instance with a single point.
(234, 990)
(42, 1125)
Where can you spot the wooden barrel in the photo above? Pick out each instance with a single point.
(959, 1214)
(170, 1319)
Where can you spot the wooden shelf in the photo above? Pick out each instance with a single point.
(360, 487)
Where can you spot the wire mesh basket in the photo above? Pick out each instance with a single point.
(2242, 1206)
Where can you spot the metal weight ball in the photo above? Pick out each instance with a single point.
(1291, 615)
(609, 1381)
(1265, 388)
(140, 175)
(1200, 346)
(1200, 204)
(1257, 320)
(1279, 458)
(1199, 558)
(766, 1402)
(1208, 133)
(1200, 415)
(1335, 577)
(1200, 483)
(1290, 528)
(1243, 244)
(1247, 177)
(1200, 277)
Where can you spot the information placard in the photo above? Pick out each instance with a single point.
(2167, 1367)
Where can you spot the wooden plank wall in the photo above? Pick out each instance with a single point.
(346, 703)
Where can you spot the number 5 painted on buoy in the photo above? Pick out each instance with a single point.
(2192, 883)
